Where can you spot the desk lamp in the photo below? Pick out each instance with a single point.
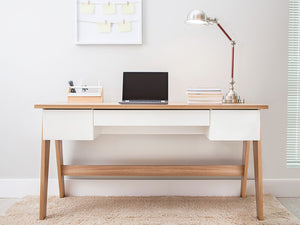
(199, 17)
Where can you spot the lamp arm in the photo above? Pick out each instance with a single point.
(231, 96)
(232, 43)
(222, 29)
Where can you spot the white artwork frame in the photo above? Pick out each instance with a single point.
(86, 25)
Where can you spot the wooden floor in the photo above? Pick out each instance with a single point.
(292, 204)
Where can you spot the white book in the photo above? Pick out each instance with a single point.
(203, 90)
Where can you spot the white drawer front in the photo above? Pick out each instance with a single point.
(68, 125)
(234, 125)
(151, 117)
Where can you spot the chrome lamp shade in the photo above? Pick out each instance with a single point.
(197, 17)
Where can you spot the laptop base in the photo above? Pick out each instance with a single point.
(152, 102)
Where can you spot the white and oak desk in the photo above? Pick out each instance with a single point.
(222, 122)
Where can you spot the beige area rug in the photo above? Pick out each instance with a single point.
(148, 210)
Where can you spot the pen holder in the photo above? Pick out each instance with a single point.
(85, 94)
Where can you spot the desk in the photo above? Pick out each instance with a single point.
(219, 122)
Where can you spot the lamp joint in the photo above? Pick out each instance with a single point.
(212, 20)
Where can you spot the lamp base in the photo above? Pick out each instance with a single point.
(232, 97)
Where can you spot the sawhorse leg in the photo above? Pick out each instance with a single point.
(59, 161)
(257, 156)
(44, 177)
(245, 162)
(45, 152)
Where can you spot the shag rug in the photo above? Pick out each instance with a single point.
(148, 210)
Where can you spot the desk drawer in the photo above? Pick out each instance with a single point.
(68, 125)
(151, 117)
(227, 125)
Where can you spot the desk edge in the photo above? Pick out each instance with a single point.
(169, 106)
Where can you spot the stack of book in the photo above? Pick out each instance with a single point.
(204, 96)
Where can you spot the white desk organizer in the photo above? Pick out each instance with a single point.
(93, 94)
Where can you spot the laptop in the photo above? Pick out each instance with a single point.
(145, 88)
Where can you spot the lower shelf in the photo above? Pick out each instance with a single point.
(96, 170)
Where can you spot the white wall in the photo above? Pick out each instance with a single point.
(38, 56)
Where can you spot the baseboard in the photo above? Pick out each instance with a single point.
(16, 188)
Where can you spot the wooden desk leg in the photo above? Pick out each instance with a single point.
(44, 177)
(59, 161)
(258, 178)
(245, 161)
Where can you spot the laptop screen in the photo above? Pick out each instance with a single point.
(145, 86)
